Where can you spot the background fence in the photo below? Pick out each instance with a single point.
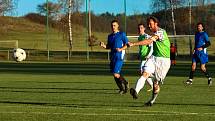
(44, 33)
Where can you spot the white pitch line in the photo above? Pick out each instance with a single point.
(107, 114)
(113, 109)
(109, 109)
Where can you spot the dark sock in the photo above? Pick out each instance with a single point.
(206, 73)
(125, 83)
(118, 83)
(122, 79)
(191, 74)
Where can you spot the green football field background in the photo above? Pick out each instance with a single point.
(32, 91)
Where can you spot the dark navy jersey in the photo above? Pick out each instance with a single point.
(200, 39)
(117, 40)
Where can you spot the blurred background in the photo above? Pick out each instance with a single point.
(70, 30)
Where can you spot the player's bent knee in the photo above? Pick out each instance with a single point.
(116, 75)
(203, 69)
(145, 74)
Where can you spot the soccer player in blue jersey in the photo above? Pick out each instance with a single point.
(200, 54)
(117, 43)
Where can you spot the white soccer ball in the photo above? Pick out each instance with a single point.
(19, 54)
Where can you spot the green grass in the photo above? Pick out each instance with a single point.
(87, 92)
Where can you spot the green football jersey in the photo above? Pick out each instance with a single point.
(162, 45)
(143, 49)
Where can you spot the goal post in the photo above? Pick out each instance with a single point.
(8, 44)
(6, 48)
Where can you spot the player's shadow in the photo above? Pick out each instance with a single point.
(129, 69)
(187, 104)
(175, 104)
(59, 90)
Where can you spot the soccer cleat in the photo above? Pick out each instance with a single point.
(189, 82)
(156, 88)
(121, 92)
(133, 93)
(149, 103)
(209, 81)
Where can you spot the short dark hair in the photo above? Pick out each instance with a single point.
(154, 19)
(141, 24)
(200, 23)
(113, 21)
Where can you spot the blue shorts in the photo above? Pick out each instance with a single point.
(200, 56)
(116, 66)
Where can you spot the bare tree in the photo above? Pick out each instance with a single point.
(6, 6)
(75, 5)
(70, 22)
(158, 5)
(68, 7)
(53, 9)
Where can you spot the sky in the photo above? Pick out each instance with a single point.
(97, 6)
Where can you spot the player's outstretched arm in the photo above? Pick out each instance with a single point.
(144, 42)
(102, 44)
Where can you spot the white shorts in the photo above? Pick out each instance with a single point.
(157, 67)
(142, 65)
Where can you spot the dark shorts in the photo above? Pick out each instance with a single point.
(172, 56)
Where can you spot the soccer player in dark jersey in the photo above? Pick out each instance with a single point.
(200, 53)
(117, 43)
(173, 52)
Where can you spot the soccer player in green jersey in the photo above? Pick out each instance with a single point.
(145, 51)
(159, 63)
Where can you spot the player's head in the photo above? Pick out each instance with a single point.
(141, 28)
(115, 25)
(153, 23)
(200, 27)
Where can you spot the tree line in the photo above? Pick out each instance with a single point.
(202, 11)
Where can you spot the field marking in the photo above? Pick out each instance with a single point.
(140, 112)
(111, 114)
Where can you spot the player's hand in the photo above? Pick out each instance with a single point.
(193, 51)
(130, 44)
(199, 49)
(102, 44)
(118, 49)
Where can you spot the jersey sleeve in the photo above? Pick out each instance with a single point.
(124, 38)
(206, 37)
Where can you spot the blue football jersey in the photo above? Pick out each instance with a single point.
(117, 40)
(200, 39)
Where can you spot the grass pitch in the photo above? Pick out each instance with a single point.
(87, 92)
